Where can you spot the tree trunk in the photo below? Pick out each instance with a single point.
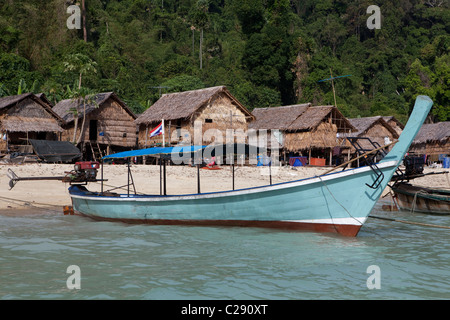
(193, 44)
(201, 45)
(83, 12)
(83, 123)
(75, 127)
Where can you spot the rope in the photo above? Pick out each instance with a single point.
(410, 222)
(415, 199)
(29, 204)
(338, 203)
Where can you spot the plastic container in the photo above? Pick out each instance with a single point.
(317, 162)
(446, 163)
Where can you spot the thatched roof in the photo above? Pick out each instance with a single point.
(277, 118)
(393, 119)
(25, 122)
(64, 107)
(433, 132)
(183, 105)
(9, 101)
(44, 98)
(364, 124)
(300, 117)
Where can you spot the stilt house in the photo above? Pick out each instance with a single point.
(394, 123)
(307, 131)
(432, 140)
(102, 125)
(376, 129)
(24, 117)
(195, 117)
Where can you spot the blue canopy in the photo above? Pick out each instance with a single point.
(155, 152)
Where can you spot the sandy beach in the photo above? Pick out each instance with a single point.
(28, 195)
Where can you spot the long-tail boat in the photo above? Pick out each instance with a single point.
(336, 202)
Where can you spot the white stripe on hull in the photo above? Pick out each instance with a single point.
(342, 221)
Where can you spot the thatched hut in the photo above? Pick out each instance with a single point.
(376, 129)
(307, 130)
(432, 140)
(194, 117)
(24, 117)
(394, 123)
(108, 125)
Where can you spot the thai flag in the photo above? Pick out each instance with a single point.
(157, 131)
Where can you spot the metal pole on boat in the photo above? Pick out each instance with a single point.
(198, 178)
(270, 170)
(233, 174)
(128, 184)
(164, 171)
(160, 176)
(101, 163)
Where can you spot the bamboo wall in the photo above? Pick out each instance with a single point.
(324, 136)
(25, 109)
(116, 124)
(215, 117)
(377, 133)
(431, 148)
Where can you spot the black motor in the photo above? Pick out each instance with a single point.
(413, 165)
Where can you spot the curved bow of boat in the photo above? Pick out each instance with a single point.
(420, 112)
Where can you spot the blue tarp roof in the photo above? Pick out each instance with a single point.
(155, 152)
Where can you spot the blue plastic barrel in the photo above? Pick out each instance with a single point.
(446, 163)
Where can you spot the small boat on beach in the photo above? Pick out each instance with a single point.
(420, 199)
(337, 202)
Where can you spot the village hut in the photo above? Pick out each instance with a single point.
(432, 140)
(101, 124)
(376, 129)
(24, 117)
(307, 131)
(394, 123)
(201, 116)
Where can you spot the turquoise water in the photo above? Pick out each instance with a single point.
(119, 261)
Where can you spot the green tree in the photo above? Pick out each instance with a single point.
(82, 65)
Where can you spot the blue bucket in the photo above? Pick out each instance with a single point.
(446, 163)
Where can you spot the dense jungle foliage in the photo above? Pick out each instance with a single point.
(267, 52)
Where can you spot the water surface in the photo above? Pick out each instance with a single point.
(120, 261)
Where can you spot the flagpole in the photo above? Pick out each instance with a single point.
(164, 139)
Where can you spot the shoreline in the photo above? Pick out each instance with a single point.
(27, 197)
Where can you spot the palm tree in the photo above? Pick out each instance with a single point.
(83, 65)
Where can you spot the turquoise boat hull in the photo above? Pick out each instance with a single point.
(338, 202)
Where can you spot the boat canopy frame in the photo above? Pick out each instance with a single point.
(182, 153)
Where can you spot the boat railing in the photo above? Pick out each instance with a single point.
(370, 156)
